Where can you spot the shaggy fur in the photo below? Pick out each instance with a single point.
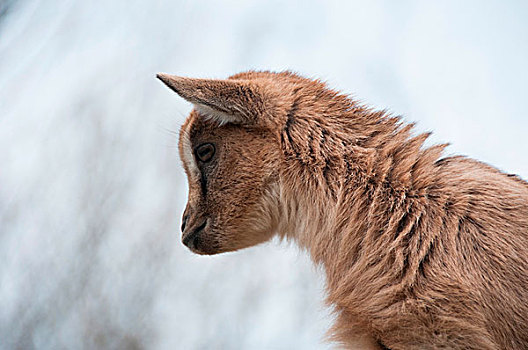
(420, 251)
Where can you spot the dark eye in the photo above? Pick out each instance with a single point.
(205, 152)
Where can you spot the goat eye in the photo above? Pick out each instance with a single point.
(205, 152)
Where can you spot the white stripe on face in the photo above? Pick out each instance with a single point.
(188, 157)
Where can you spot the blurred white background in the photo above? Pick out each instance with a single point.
(91, 187)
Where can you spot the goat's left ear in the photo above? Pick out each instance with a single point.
(226, 101)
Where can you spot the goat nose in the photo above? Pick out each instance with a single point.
(184, 222)
(189, 238)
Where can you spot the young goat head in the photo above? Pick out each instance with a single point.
(419, 252)
(231, 163)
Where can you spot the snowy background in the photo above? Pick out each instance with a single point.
(91, 187)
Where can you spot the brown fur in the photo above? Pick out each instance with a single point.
(420, 252)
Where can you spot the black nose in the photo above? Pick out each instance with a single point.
(184, 222)
(190, 239)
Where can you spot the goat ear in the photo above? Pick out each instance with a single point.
(226, 101)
